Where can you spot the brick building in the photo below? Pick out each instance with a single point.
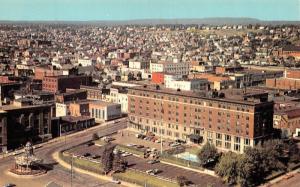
(228, 69)
(61, 83)
(288, 121)
(158, 77)
(80, 108)
(71, 95)
(290, 81)
(94, 92)
(290, 50)
(231, 121)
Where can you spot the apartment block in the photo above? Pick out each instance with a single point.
(231, 120)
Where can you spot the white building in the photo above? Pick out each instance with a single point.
(104, 111)
(120, 97)
(168, 78)
(85, 62)
(181, 68)
(188, 85)
(138, 65)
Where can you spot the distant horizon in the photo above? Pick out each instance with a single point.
(126, 10)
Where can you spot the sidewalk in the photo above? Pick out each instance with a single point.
(280, 178)
(102, 177)
(205, 171)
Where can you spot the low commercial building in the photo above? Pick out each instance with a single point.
(94, 92)
(104, 111)
(80, 108)
(231, 120)
(290, 81)
(19, 124)
(180, 68)
(288, 121)
(189, 85)
(71, 124)
(58, 84)
(71, 95)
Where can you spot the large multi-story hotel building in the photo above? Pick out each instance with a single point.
(232, 120)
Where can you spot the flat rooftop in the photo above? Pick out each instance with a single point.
(239, 96)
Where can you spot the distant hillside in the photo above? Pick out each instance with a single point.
(206, 21)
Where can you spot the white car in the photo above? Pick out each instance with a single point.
(116, 181)
(126, 154)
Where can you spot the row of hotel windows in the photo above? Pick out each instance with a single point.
(218, 140)
(193, 101)
(228, 138)
(220, 114)
(237, 129)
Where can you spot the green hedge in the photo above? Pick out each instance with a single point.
(142, 179)
(82, 163)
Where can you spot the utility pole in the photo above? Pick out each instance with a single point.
(72, 171)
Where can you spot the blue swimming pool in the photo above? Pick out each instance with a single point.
(188, 156)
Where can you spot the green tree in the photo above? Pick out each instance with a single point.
(273, 153)
(107, 157)
(250, 167)
(119, 163)
(95, 137)
(227, 168)
(293, 151)
(182, 180)
(207, 154)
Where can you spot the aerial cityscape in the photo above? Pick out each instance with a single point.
(152, 93)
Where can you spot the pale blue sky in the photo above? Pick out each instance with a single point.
(147, 9)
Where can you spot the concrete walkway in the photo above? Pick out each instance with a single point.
(102, 177)
(205, 171)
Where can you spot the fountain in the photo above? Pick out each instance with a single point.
(27, 163)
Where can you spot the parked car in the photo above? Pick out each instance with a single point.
(9, 185)
(180, 141)
(96, 156)
(153, 161)
(116, 181)
(126, 154)
(87, 154)
(175, 144)
(90, 144)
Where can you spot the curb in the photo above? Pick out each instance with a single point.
(102, 177)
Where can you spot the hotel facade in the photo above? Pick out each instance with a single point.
(230, 122)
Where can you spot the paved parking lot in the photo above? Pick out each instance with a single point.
(125, 137)
(167, 171)
(171, 172)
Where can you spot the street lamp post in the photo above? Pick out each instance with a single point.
(72, 170)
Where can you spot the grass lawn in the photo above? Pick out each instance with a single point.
(100, 142)
(82, 163)
(141, 179)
